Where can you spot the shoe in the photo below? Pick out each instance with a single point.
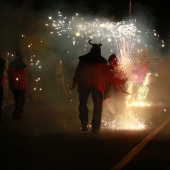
(84, 129)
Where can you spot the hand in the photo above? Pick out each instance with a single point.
(73, 86)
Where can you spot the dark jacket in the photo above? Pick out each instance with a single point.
(91, 71)
(17, 74)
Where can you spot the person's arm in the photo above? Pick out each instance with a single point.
(2, 68)
(76, 75)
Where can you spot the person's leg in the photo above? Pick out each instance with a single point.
(22, 102)
(58, 86)
(97, 97)
(83, 109)
(63, 85)
(1, 100)
(109, 105)
(16, 95)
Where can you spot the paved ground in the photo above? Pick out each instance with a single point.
(155, 155)
(49, 137)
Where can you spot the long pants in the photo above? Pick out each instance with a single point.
(1, 100)
(19, 98)
(97, 98)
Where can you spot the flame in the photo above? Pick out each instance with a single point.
(124, 39)
(139, 99)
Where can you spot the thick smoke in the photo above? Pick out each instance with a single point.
(24, 27)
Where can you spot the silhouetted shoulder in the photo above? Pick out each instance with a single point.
(103, 59)
(90, 58)
(17, 64)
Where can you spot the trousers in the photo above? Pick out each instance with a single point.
(97, 98)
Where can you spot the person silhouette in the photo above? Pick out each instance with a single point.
(18, 83)
(89, 78)
(2, 69)
(61, 86)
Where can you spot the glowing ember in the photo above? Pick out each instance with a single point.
(132, 49)
(139, 99)
(124, 122)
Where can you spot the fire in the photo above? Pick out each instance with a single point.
(140, 98)
(131, 47)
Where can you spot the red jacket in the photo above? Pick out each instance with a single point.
(17, 75)
(91, 72)
(115, 76)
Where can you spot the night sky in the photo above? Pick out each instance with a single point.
(158, 10)
(155, 14)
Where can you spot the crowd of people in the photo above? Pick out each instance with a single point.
(94, 75)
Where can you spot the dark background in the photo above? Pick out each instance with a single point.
(158, 9)
(26, 16)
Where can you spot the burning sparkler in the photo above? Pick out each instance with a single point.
(123, 38)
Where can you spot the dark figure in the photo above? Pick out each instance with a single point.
(60, 78)
(115, 90)
(18, 83)
(5, 77)
(2, 69)
(89, 78)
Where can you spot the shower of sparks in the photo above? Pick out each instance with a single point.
(35, 64)
(132, 47)
(122, 38)
(139, 99)
(124, 122)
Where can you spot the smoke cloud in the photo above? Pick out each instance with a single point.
(23, 26)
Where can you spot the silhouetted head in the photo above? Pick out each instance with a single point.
(112, 59)
(95, 50)
(18, 63)
(19, 55)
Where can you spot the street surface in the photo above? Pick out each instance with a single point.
(49, 138)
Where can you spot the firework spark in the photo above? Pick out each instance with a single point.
(132, 47)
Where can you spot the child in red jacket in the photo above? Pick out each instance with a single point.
(114, 96)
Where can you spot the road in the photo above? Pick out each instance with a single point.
(49, 137)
